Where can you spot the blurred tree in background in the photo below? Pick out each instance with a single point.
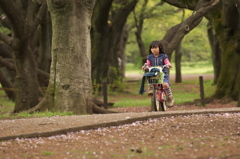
(22, 18)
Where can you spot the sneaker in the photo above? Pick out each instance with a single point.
(150, 90)
(170, 101)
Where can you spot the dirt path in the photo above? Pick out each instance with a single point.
(209, 136)
(206, 136)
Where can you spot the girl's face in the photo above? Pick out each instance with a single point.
(155, 50)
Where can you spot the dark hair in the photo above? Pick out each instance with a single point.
(155, 44)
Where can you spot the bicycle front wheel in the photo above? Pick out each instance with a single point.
(158, 105)
(155, 102)
(163, 106)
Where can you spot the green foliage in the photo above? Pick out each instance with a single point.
(160, 18)
(2, 28)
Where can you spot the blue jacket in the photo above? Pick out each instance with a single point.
(158, 61)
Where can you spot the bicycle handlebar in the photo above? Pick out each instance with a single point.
(146, 67)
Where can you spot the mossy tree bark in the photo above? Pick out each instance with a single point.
(23, 25)
(216, 51)
(227, 27)
(70, 86)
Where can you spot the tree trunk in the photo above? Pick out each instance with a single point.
(23, 27)
(26, 80)
(45, 37)
(121, 52)
(178, 58)
(139, 26)
(216, 53)
(7, 85)
(228, 30)
(238, 104)
(141, 46)
(70, 86)
(106, 37)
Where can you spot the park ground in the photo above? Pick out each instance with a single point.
(205, 136)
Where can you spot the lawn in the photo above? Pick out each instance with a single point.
(187, 68)
(128, 96)
(183, 92)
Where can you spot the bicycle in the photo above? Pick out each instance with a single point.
(159, 97)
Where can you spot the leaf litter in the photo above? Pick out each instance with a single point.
(194, 136)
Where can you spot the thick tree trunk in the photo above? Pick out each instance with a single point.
(70, 86)
(23, 26)
(106, 38)
(26, 80)
(228, 30)
(238, 104)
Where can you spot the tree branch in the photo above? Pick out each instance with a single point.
(5, 38)
(15, 17)
(181, 4)
(33, 26)
(122, 14)
(100, 15)
(42, 75)
(177, 33)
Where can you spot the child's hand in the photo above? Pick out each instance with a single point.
(144, 68)
(170, 65)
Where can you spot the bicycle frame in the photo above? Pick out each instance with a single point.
(159, 96)
(160, 91)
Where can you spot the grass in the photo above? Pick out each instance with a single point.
(204, 67)
(124, 102)
(7, 107)
(129, 97)
(183, 92)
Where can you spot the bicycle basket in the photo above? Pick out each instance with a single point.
(153, 80)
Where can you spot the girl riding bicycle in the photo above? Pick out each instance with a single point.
(157, 57)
